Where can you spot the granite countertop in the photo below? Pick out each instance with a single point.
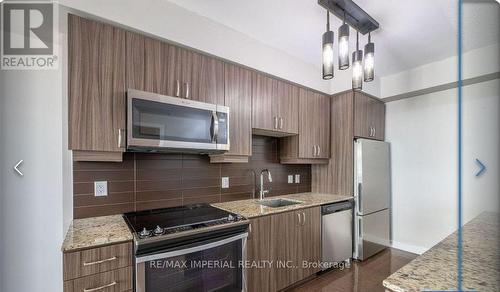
(250, 208)
(96, 231)
(436, 269)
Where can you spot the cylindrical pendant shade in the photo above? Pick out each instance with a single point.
(357, 70)
(344, 46)
(328, 55)
(369, 62)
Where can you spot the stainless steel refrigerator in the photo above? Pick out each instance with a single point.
(372, 193)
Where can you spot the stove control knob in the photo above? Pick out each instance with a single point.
(158, 230)
(144, 232)
(230, 218)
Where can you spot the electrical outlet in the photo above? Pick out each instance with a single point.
(290, 179)
(100, 188)
(225, 182)
(297, 178)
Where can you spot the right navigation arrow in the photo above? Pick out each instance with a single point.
(482, 168)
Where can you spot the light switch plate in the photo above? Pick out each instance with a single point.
(225, 182)
(290, 179)
(100, 188)
(297, 178)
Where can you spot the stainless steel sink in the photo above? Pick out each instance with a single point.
(275, 203)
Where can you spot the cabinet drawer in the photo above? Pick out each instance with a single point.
(97, 260)
(112, 281)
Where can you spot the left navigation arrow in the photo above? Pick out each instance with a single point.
(16, 167)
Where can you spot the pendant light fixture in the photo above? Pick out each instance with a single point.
(369, 59)
(357, 66)
(328, 50)
(344, 46)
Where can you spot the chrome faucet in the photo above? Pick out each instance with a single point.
(263, 192)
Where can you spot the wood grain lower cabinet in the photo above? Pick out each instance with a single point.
(107, 268)
(295, 239)
(238, 97)
(312, 145)
(258, 251)
(96, 89)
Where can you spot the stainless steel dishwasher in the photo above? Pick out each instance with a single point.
(336, 225)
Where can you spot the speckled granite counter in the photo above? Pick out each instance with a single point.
(436, 269)
(250, 208)
(96, 231)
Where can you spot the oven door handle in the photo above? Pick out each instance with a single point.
(175, 253)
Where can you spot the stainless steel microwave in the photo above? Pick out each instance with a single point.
(163, 123)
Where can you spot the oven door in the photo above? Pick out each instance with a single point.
(206, 266)
(158, 121)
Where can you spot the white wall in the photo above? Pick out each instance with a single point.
(423, 135)
(32, 218)
(476, 63)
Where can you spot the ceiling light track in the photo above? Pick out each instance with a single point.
(354, 16)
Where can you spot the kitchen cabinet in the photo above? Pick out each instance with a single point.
(96, 90)
(312, 145)
(108, 267)
(295, 237)
(369, 117)
(195, 76)
(238, 97)
(274, 107)
(258, 251)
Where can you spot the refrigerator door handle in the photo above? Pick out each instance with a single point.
(360, 231)
(360, 187)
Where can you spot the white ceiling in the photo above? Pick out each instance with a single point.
(412, 33)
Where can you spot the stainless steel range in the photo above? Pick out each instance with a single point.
(189, 248)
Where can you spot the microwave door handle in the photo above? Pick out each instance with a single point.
(215, 121)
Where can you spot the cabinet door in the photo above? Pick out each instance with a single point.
(147, 64)
(378, 117)
(181, 82)
(362, 115)
(284, 249)
(263, 102)
(308, 132)
(322, 125)
(258, 242)
(309, 241)
(288, 107)
(238, 97)
(96, 93)
(207, 84)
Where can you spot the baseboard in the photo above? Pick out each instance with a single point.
(409, 247)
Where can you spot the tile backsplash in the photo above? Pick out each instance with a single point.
(149, 181)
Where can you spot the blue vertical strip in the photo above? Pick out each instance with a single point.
(459, 237)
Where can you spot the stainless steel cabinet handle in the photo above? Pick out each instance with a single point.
(100, 287)
(121, 140)
(314, 150)
(186, 85)
(298, 216)
(275, 122)
(319, 150)
(177, 88)
(374, 131)
(250, 228)
(303, 218)
(99, 262)
(281, 123)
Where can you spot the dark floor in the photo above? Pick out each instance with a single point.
(366, 276)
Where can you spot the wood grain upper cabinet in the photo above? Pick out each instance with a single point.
(258, 242)
(238, 97)
(96, 93)
(195, 76)
(369, 117)
(312, 145)
(274, 106)
(147, 64)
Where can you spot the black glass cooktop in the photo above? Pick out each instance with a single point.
(177, 219)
